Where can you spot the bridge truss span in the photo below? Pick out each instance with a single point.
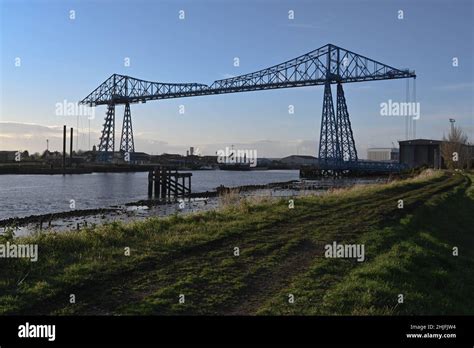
(326, 65)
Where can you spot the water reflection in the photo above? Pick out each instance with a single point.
(24, 195)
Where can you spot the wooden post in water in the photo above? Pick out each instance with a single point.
(163, 183)
(176, 183)
(168, 184)
(150, 183)
(157, 182)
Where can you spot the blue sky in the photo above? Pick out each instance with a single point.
(64, 59)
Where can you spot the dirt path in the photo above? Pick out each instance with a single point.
(271, 257)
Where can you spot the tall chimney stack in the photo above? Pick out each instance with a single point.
(64, 147)
(70, 148)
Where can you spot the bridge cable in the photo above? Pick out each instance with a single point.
(407, 94)
(414, 104)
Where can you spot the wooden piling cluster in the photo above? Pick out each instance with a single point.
(165, 182)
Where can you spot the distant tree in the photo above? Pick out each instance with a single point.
(36, 156)
(455, 149)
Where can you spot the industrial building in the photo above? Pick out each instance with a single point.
(382, 154)
(421, 152)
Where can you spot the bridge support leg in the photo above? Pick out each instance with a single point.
(344, 129)
(329, 152)
(126, 143)
(107, 139)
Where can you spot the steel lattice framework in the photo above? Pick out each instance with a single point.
(327, 65)
(107, 142)
(126, 142)
(348, 151)
(329, 144)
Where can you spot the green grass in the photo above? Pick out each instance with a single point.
(408, 251)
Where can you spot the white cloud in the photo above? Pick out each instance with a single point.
(32, 137)
(455, 86)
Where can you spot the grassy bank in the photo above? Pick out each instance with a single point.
(408, 251)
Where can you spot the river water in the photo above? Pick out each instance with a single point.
(24, 195)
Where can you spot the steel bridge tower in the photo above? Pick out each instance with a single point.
(348, 150)
(126, 143)
(325, 66)
(107, 139)
(336, 140)
(329, 144)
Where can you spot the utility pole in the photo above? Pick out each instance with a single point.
(452, 120)
(47, 144)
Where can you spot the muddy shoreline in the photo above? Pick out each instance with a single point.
(44, 220)
(142, 209)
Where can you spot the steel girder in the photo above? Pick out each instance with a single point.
(328, 63)
(107, 139)
(126, 142)
(344, 129)
(362, 166)
(336, 141)
(329, 150)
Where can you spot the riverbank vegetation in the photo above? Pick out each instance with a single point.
(264, 257)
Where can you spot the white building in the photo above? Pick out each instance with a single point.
(382, 154)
